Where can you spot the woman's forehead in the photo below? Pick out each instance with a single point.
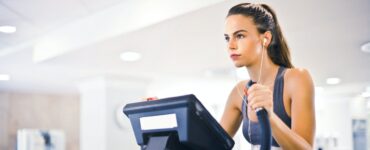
(238, 22)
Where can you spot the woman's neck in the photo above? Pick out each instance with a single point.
(268, 72)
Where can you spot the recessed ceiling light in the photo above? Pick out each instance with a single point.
(332, 81)
(4, 77)
(8, 29)
(366, 47)
(130, 56)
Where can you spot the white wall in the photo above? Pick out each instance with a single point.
(102, 99)
(333, 120)
(212, 92)
(4, 105)
(93, 108)
(120, 93)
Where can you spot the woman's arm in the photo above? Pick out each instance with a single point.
(231, 118)
(301, 135)
(301, 93)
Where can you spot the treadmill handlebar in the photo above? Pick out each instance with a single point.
(264, 122)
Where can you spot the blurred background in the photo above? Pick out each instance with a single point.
(68, 67)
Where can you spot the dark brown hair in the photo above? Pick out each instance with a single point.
(265, 20)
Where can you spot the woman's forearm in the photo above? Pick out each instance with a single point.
(286, 137)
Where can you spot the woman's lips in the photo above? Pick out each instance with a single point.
(234, 56)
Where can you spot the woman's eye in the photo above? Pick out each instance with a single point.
(240, 36)
(227, 39)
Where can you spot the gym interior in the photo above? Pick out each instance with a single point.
(68, 68)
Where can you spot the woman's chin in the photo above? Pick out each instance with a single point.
(238, 65)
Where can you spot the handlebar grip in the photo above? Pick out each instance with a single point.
(264, 122)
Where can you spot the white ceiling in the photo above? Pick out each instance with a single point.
(324, 36)
(38, 17)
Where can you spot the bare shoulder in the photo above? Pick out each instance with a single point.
(293, 75)
(297, 72)
(298, 79)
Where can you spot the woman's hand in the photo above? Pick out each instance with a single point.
(260, 96)
(150, 98)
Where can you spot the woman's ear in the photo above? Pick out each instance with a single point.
(267, 36)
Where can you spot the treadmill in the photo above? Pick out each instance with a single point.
(176, 123)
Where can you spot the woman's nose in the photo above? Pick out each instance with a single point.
(232, 44)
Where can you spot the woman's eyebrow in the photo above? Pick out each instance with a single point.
(236, 32)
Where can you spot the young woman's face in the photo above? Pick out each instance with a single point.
(243, 40)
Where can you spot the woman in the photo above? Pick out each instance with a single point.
(255, 41)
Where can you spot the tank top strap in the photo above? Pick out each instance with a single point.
(278, 97)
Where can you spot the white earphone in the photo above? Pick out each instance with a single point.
(263, 48)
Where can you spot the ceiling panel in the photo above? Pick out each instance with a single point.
(7, 15)
(96, 5)
(25, 30)
(46, 13)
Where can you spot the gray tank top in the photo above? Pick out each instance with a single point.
(279, 110)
